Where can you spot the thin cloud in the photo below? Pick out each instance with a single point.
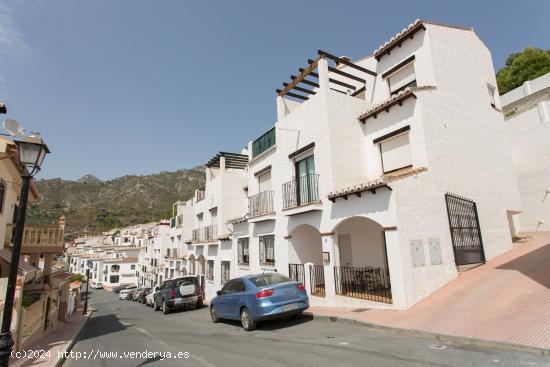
(12, 41)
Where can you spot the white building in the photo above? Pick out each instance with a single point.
(358, 190)
(527, 111)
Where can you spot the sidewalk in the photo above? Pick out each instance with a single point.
(57, 341)
(506, 300)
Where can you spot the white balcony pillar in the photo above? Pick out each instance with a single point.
(307, 277)
(322, 68)
(396, 269)
(329, 246)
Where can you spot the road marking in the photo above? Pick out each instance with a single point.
(438, 346)
(206, 363)
(343, 343)
(151, 336)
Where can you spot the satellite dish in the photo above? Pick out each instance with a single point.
(13, 127)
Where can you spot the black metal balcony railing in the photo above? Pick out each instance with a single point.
(365, 283)
(301, 191)
(205, 234)
(260, 204)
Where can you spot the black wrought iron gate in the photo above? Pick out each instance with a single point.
(465, 230)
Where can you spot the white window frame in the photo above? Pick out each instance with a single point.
(263, 261)
(393, 138)
(402, 86)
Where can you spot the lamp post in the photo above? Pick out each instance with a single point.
(31, 151)
(85, 311)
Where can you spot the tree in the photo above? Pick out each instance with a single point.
(522, 66)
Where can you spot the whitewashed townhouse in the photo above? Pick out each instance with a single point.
(527, 113)
(382, 177)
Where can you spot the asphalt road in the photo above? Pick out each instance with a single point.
(125, 326)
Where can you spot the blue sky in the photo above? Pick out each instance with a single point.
(138, 87)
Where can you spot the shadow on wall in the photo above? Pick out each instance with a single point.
(534, 265)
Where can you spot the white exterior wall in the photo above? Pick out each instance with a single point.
(529, 136)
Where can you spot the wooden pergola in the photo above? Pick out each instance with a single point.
(339, 78)
(232, 160)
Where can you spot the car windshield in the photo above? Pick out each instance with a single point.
(268, 279)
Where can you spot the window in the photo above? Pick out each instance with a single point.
(395, 152)
(226, 271)
(113, 279)
(263, 143)
(267, 250)
(491, 90)
(269, 279)
(167, 252)
(244, 256)
(114, 268)
(210, 270)
(132, 267)
(2, 195)
(264, 181)
(306, 180)
(233, 286)
(402, 78)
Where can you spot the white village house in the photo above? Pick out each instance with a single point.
(356, 190)
(527, 111)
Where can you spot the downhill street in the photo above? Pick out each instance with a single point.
(125, 326)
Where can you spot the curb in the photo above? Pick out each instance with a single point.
(70, 344)
(459, 340)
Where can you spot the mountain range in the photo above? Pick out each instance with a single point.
(91, 205)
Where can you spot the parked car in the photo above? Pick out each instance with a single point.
(96, 285)
(259, 297)
(178, 293)
(149, 299)
(140, 294)
(119, 288)
(126, 293)
(130, 293)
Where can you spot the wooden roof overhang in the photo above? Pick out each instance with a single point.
(232, 160)
(357, 191)
(291, 89)
(398, 99)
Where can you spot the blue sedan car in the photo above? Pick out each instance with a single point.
(254, 298)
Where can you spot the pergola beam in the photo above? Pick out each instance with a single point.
(299, 78)
(305, 81)
(342, 73)
(342, 84)
(300, 89)
(290, 94)
(340, 60)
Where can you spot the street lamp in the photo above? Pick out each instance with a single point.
(31, 151)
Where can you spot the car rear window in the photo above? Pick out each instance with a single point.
(187, 281)
(269, 279)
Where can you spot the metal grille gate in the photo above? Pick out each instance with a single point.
(465, 230)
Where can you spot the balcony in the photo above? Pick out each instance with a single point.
(39, 238)
(205, 234)
(263, 143)
(301, 191)
(260, 204)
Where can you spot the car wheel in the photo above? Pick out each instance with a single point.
(165, 308)
(246, 320)
(214, 315)
(199, 303)
(155, 307)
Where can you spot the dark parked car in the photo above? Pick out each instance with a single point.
(178, 293)
(254, 298)
(140, 294)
